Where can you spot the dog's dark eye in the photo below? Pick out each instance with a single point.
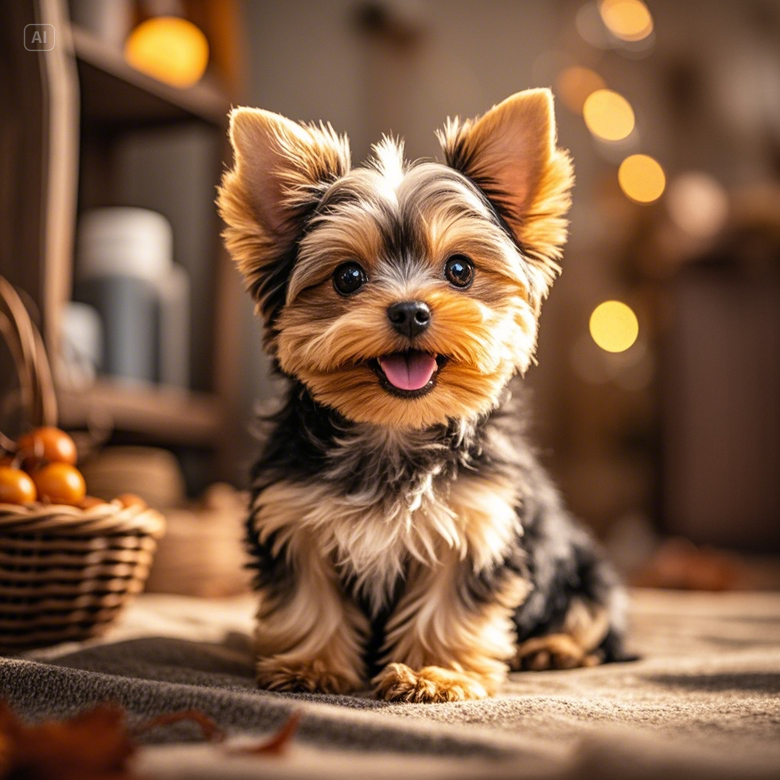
(348, 278)
(459, 270)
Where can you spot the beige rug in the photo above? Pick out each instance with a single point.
(704, 701)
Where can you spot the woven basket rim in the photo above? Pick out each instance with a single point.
(103, 519)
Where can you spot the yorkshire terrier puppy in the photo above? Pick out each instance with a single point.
(402, 529)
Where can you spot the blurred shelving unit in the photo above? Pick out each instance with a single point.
(69, 115)
(168, 414)
(116, 95)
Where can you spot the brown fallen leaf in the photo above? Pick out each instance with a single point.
(96, 744)
(93, 745)
(277, 744)
(211, 731)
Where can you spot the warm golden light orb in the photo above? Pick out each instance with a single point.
(614, 326)
(576, 84)
(629, 20)
(608, 115)
(170, 49)
(641, 178)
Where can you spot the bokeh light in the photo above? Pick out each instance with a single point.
(629, 20)
(608, 115)
(614, 326)
(576, 84)
(591, 27)
(169, 49)
(698, 204)
(641, 178)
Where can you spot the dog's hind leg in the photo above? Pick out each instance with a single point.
(584, 629)
(575, 615)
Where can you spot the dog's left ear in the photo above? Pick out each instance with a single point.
(281, 169)
(510, 153)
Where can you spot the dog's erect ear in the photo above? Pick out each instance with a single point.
(281, 168)
(510, 153)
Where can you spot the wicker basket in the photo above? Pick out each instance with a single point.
(65, 573)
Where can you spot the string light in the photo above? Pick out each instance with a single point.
(698, 204)
(614, 326)
(608, 115)
(170, 49)
(641, 178)
(629, 20)
(576, 84)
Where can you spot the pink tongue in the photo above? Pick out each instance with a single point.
(408, 370)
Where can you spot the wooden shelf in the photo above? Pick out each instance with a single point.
(71, 115)
(115, 95)
(167, 415)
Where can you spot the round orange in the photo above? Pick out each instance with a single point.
(50, 444)
(16, 487)
(130, 499)
(90, 501)
(61, 483)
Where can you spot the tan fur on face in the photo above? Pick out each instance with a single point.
(487, 332)
(327, 342)
(283, 169)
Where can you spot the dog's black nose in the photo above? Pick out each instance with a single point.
(409, 318)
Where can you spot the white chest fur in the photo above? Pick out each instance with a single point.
(369, 535)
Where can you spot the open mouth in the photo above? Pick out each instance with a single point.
(408, 374)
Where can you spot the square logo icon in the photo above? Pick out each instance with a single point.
(39, 37)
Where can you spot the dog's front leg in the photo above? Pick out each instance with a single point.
(444, 645)
(309, 635)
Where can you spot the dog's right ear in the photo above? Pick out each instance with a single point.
(281, 169)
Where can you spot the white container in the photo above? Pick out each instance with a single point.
(129, 308)
(124, 242)
(81, 349)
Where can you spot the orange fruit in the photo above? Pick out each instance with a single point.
(61, 483)
(89, 501)
(16, 487)
(130, 499)
(50, 444)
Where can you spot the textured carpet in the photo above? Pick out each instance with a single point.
(703, 701)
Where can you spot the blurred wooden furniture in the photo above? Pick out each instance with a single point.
(64, 116)
(721, 399)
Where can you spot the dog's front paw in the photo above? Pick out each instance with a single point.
(398, 682)
(312, 676)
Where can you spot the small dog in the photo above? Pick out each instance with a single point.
(402, 528)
